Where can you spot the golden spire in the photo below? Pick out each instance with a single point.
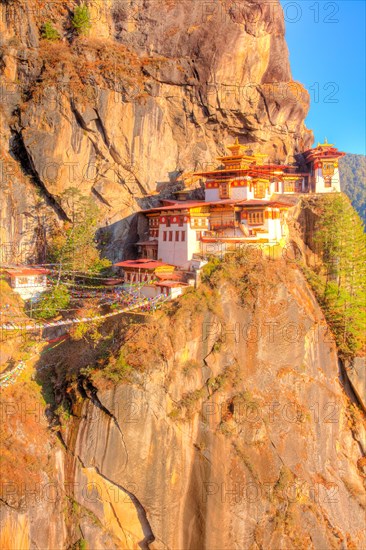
(236, 148)
(325, 144)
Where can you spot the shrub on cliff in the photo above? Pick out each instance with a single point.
(51, 303)
(118, 369)
(49, 32)
(210, 268)
(81, 19)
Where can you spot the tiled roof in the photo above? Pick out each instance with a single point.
(171, 284)
(142, 264)
(183, 205)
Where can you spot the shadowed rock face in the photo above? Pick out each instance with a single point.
(156, 89)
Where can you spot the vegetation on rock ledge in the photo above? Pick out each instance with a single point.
(75, 248)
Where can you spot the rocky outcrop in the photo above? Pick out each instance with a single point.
(241, 437)
(229, 425)
(154, 90)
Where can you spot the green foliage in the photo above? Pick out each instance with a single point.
(75, 248)
(81, 19)
(118, 369)
(80, 544)
(49, 32)
(51, 303)
(352, 169)
(340, 283)
(80, 331)
(63, 412)
(87, 330)
(213, 265)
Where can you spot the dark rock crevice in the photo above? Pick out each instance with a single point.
(92, 394)
(100, 197)
(348, 386)
(19, 151)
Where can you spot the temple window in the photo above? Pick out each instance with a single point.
(259, 190)
(177, 235)
(164, 235)
(225, 190)
(170, 236)
(255, 218)
(183, 236)
(22, 280)
(289, 187)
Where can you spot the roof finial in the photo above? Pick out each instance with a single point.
(236, 141)
(326, 141)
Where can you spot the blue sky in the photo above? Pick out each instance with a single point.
(326, 41)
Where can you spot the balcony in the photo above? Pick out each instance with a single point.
(224, 225)
(258, 234)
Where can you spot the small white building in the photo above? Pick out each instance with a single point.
(151, 278)
(322, 162)
(28, 282)
(171, 289)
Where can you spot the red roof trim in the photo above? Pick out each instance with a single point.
(26, 271)
(185, 205)
(172, 284)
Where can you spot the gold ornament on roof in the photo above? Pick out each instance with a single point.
(236, 147)
(325, 144)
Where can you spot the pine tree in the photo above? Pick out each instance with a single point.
(49, 32)
(75, 248)
(341, 285)
(81, 19)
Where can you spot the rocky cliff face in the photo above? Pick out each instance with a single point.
(232, 430)
(248, 448)
(154, 90)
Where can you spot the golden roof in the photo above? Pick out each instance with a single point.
(236, 148)
(238, 152)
